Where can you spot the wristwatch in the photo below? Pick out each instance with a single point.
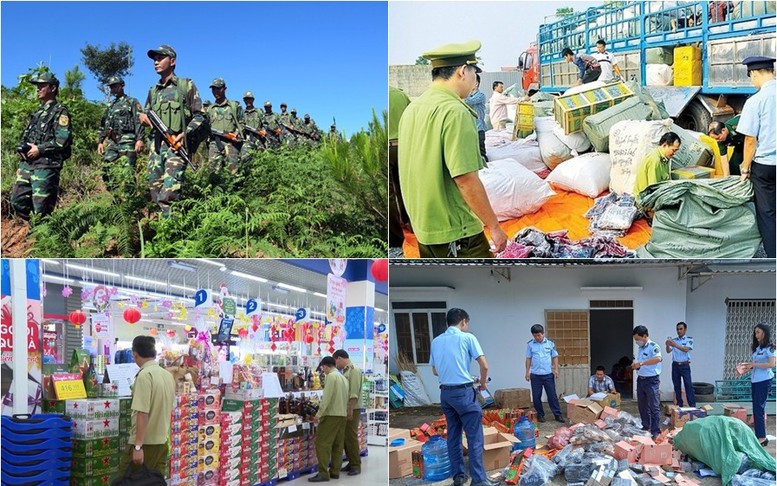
(744, 170)
(138, 447)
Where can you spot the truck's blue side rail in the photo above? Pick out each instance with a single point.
(630, 26)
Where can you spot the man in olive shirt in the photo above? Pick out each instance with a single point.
(439, 159)
(656, 166)
(727, 137)
(153, 400)
(331, 418)
(353, 374)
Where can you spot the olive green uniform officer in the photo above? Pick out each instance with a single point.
(439, 159)
(353, 374)
(272, 125)
(398, 101)
(225, 116)
(252, 118)
(45, 145)
(121, 135)
(177, 102)
(331, 418)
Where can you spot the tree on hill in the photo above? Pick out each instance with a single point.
(115, 60)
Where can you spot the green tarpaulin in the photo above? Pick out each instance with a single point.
(721, 442)
(705, 218)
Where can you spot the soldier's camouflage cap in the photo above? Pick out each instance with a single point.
(114, 80)
(164, 49)
(450, 55)
(284, 104)
(307, 116)
(248, 94)
(267, 103)
(218, 83)
(293, 110)
(45, 78)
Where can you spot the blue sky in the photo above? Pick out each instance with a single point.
(325, 59)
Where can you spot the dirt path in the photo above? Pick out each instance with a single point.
(15, 243)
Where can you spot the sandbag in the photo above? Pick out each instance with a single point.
(657, 107)
(692, 151)
(526, 154)
(498, 138)
(630, 142)
(513, 190)
(543, 108)
(553, 150)
(597, 127)
(584, 87)
(415, 394)
(701, 218)
(587, 174)
(721, 443)
(659, 75)
(576, 141)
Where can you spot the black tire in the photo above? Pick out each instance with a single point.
(695, 117)
(701, 388)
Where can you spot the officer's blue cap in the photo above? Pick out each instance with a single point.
(758, 62)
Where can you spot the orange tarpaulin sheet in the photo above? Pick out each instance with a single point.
(564, 211)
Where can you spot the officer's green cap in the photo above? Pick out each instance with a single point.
(114, 80)
(267, 103)
(218, 83)
(454, 55)
(45, 78)
(164, 49)
(248, 94)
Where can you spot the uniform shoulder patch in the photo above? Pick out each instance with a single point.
(656, 348)
(63, 120)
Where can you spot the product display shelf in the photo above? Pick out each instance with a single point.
(377, 410)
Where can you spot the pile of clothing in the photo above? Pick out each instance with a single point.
(533, 243)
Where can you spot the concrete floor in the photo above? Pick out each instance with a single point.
(407, 418)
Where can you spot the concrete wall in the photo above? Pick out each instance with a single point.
(502, 312)
(414, 80)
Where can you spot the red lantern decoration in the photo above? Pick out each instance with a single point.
(243, 333)
(308, 338)
(171, 334)
(379, 270)
(77, 317)
(131, 315)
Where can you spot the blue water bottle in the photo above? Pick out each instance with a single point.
(437, 465)
(525, 432)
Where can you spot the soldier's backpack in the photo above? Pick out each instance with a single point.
(201, 133)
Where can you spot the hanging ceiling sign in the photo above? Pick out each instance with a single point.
(203, 298)
(335, 299)
(252, 307)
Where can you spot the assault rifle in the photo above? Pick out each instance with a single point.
(259, 133)
(169, 138)
(232, 137)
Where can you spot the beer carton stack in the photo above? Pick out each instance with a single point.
(208, 437)
(231, 447)
(125, 422)
(183, 439)
(268, 436)
(251, 443)
(362, 433)
(95, 440)
(245, 446)
(290, 450)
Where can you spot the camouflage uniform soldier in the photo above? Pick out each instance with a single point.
(44, 147)
(311, 130)
(121, 133)
(206, 105)
(283, 120)
(225, 116)
(177, 102)
(271, 124)
(251, 118)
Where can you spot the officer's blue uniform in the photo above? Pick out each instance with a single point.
(541, 375)
(759, 119)
(647, 388)
(451, 355)
(681, 368)
(761, 383)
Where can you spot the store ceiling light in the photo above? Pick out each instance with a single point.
(280, 289)
(54, 278)
(145, 280)
(212, 262)
(379, 309)
(47, 260)
(292, 287)
(319, 294)
(181, 266)
(93, 270)
(188, 289)
(281, 306)
(249, 277)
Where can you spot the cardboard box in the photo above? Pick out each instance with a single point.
(96, 447)
(736, 412)
(612, 400)
(583, 410)
(95, 429)
(513, 398)
(660, 454)
(681, 416)
(571, 110)
(400, 460)
(496, 448)
(398, 434)
(692, 172)
(609, 412)
(624, 450)
(92, 409)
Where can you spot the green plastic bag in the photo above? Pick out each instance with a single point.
(721, 442)
(597, 127)
(702, 218)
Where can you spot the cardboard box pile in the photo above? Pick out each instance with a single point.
(687, 66)
(231, 447)
(524, 126)
(268, 439)
(208, 436)
(125, 422)
(643, 450)
(736, 412)
(512, 398)
(95, 438)
(683, 415)
(183, 439)
(400, 457)
(571, 110)
(296, 449)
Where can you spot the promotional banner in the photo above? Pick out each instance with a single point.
(335, 299)
(101, 325)
(30, 371)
